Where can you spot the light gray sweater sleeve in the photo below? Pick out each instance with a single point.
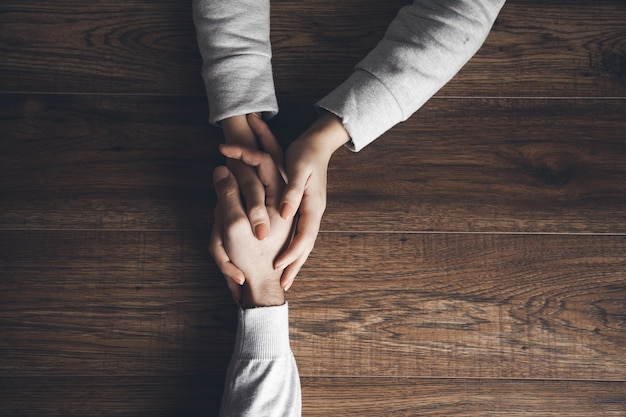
(234, 41)
(262, 378)
(423, 48)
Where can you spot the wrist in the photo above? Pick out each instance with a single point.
(237, 132)
(326, 134)
(263, 292)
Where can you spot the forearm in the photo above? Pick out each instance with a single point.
(423, 48)
(233, 38)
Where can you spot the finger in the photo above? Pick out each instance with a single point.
(265, 166)
(290, 273)
(294, 191)
(303, 242)
(233, 275)
(235, 290)
(228, 269)
(216, 247)
(253, 192)
(267, 140)
(227, 191)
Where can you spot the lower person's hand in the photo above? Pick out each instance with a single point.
(254, 134)
(235, 242)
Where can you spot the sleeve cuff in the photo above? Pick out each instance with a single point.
(367, 108)
(249, 89)
(263, 333)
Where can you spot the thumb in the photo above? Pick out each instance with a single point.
(294, 191)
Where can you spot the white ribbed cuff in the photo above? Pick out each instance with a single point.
(263, 332)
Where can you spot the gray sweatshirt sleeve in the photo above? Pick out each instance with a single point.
(423, 48)
(234, 41)
(262, 377)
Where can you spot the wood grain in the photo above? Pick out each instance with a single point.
(471, 262)
(458, 305)
(370, 397)
(154, 396)
(111, 46)
(111, 396)
(488, 166)
(106, 162)
(112, 304)
(461, 165)
(537, 48)
(443, 305)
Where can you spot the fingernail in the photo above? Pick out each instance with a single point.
(220, 173)
(235, 278)
(287, 211)
(261, 231)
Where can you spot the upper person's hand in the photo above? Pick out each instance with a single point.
(306, 167)
(253, 257)
(237, 131)
(244, 136)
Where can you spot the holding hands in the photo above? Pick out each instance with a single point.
(254, 281)
(270, 204)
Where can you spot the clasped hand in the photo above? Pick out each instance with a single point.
(270, 203)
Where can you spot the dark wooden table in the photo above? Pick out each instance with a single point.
(472, 261)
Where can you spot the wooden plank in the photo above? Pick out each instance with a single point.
(200, 396)
(111, 396)
(460, 397)
(458, 305)
(537, 48)
(461, 165)
(432, 305)
(489, 166)
(112, 304)
(367, 397)
(106, 162)
(127, 47)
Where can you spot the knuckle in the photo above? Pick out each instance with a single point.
(228, 189)
(297, 186)
(257, 209)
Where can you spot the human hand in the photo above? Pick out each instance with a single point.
(253, 258)
(241, 136)
(306, 167)
(237, 131)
